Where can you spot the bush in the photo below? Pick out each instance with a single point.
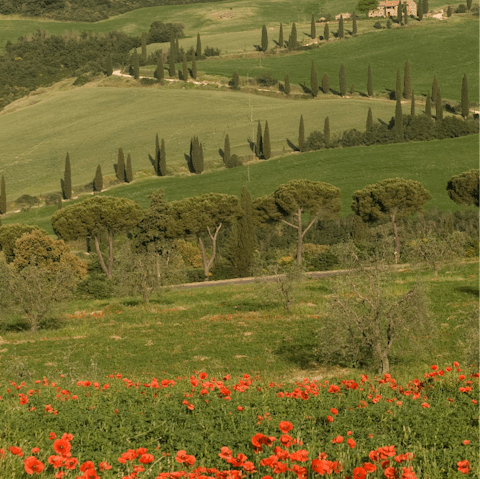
(266, 79)
(162, 32)
(462, 8)
(315, 141)
(27, 201)
(453, 127)
(380, 134)
(52, 198)
(389, 23)
(234, 161)
(419, 128)
(377, 25)
(319, 257)
(352, 138)
(211, 52)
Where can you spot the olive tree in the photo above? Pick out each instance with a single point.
(463, 188)
(391, 199)
(9, 234)
(292, 200)
(96, 216)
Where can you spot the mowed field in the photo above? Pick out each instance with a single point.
(93, 123)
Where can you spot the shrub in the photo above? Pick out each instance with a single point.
(27, 201)
(352, 138)
(234, 161)
(52, 198)
(419, 128)
(266, 79)
(389, 23)
(462, 8)
(315, 141)
(453, 127)
(378, 25)
(211, 52)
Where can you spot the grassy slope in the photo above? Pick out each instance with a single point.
(92, 123)
(432, 163)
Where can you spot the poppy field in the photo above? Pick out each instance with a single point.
(203, 427)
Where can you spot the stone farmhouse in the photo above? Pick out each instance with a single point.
(345, 16)
(389, 8)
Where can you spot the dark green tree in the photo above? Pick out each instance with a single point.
(143, 41)
(172, 55)
(428, 106)
(364, 6)
(136, 65)
(465, 105)
(194, 67)
(196, 156)
(301, 135)
(287, 85)
(9, 234)
(156, 160)
(281, 41)
(109, 65)
(420, 10)
(412, 105)
(292, 40)
(235, 81)
(398, 121)
(392, 199)
(267, 149)
(226, 150)
(121, 165)
(369, 81)
(449, 11)
(98, 180)
(407, 82)
(199, 47)
(463, 188)
(438, 107)
(369, 127)
(313, 30)
(160, 68)
(435, 88)
(399, 11)
(342, 76)
(326, 132)
(184, 68)
(128, 169)
(354, 23)
(469, 4)
(259, 142)
(243, 239)
(264, 43)
(3, 196)
(326, 32)
(341, 32)
(313, 81)
(94, 217)
(67, 179)
(425, 6)
(405, 14)
(162, 166)
(325, 83)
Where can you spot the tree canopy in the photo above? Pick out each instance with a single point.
(9, 234)
(463, 188)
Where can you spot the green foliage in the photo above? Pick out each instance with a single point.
(162, 165)
(259, 142)
(315, 141)
(160, 32)
(465, 105)
(326, 32)
(425, 6)
(313, 33)
(325, 83)
(226, 150)
(234, 161)
(196, 163)
(469, 4)
(9, 234)
(342, 78)
(235, 82)
(194, 67)
(301, 135)
(3, 196)
(135, 65)
(160, 71)
(264, 42)
(120, 172)
(267, 149)
(281, 41)
(461, 8)
(172, 54)
(449, 11)
(184, 68)
(287, 85)
(199, 47)
(354, 24)
(412, 105)
(398, 120)
(463, 188)
(365, 5)
(340, 32)
(326, 131)
(109, 65)
(438, 107)
(128, 170)
(98, 180)
(266, 79)
(313, 81)
(292, 40)
(428, 106)
(67, 179)
(407, 83)
(435, 88)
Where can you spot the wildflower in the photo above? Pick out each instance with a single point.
(408, 473)
(329, 418)
(62, 447)
(369, 467)
(351, 443)
(51, 436)
(425, 405)
(146, 458)
(466, 442)
(239, 408)
(359, 473)
(463, 466)
(36, 450)
(285, 426)
(71, 463)
(334, 411)
(390, 473)
(56, 461)
(337, 440)
(104, 466)
(32, 464)
(16, 451)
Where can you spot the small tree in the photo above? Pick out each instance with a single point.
(326, 132)
(438, 107)
(399, 11)
(369, 126)
(121, 165)
(428, 106)
(235, 81)
(136, 65)
(109, 65)
(341, 32)
(194, 67)
(128, 169)
(160, 68)
(313, 81)
(301, 135)
(9, 234)
(313, 31)
(325, 84)
(425, 6)
(464, 102)
(143, 41)
(199, 47)
(354, 23)
(264, 43)
(162, 165)
(281, 42)
(226, 150)
(463, 188)
(412, 105)
(420, 10)
(407, 83)
(172, 54)
(326, 32)
(449, 11)
(259, 142)
(67, 179)
(3, 196)
(156, 159)
(98, 180)
(398, 121)
(469, 4)
(267, 149)
(292, 41)
(342, 80)
(287, 85)
(184, 68)
(390, 199)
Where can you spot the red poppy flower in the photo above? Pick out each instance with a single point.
(334, 411)
(32, 464)
(351, 443)
(408, 473)
(463, 466)
(369, 467)
(16, 451)
(203, 376)
(285, 426)
(337, 440)
(36, 450)
(87, 465)
(359, 473)
(104, 466)
(71, 463)
(329, 418)
(56, 461)
(62, 447)
(390, 473)
(466, 442)
(146, 458)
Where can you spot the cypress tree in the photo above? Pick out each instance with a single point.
(405, 14)
(313, 81)
(469, 4)
(301, 135)
(98, 180)
(342, 80)
(67, 179)
(326, 32)
(425, 6)
(398, 121)
(352, 90)
(407, 83)
(144, 46)
(420, 10)
(157, 156)
(264, 43)
(109, 65)
(226, 150)
(399, 11)
(200, 158)
(171, 57)
(280, 37)
(313, 30)
(325, 83)
(464, 102)
(341, 33)
(369, 125)
(267, 150)
(369, 81)
(199, 47)
(136, 65)
(449, 11)
(160, 68)
(121, 165)
(128, 169)
(287, 85)
(292, 41)
(3, 197)
(162, 166)
(259, 143)
(435, 88)
(194, 67)
(428, 106)
(412, 106)
(59, 203)
(177, 48)
(184, 68)
(326, 132)
(398, 86)
(354, 24)
(438, 107)
(235, 81)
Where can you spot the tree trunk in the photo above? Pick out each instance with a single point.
(100, 257)
(110, 255)
(397, 239)
(300, 238)
(207, 263)
(385, 364)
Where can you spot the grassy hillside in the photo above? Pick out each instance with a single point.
(92, 123)
(431, 163)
